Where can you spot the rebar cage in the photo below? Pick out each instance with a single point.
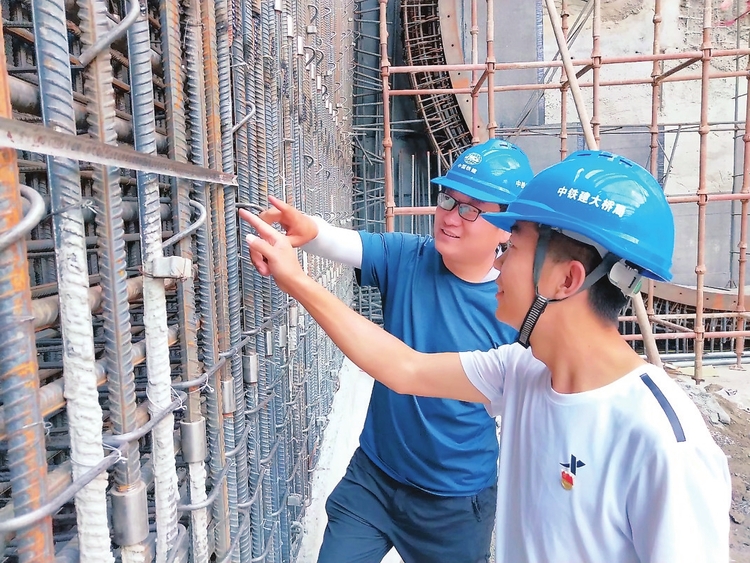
(147, 372)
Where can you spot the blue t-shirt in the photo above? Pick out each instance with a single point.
(444, 447)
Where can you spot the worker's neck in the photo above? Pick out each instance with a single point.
(472, 271)
(581, 351)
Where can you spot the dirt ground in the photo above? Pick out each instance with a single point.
(734, 439)
(725, 393)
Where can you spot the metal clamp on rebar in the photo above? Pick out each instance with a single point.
(250, 367)
(130, 515)
(269, 343)
(193, 440)
(173, 267)
(283, 336)
(228, 400)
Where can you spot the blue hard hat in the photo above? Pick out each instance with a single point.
(494, 171)
(599, 197)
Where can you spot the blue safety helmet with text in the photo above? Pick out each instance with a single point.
(494, 172)
(603, 200)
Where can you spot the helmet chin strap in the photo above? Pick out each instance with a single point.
(540, 303)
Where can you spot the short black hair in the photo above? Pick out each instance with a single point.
(605, 299)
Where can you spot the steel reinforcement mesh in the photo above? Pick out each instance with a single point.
(159, 400)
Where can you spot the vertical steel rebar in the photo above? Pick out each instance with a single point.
(158, 389)
(174, 74)
(110, 232)
(235, 374)
(215, 159)
(207, 289)
(84, 413)
(24, 425)
(249, 187)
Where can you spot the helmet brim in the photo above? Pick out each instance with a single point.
(507, 219)
(479, 195)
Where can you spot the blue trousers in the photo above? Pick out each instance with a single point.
(369, 513)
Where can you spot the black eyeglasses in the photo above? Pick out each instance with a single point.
(466, 211)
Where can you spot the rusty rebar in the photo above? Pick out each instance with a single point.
(19, 384)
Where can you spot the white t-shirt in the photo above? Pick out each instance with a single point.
(624, 473)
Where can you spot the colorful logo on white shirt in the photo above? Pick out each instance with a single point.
(568, 476)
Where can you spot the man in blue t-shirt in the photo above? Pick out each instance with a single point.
(424, 477)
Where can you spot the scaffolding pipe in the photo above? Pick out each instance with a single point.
(596, 63)
(474, 32)
(656, 71)
(587, 63)
(556, 85)
(47, 309)
(491, 123)
(84, 414)
(703, 132)
(741, 321)
(385, 66)
(563, 88)
(158, 389)
(19, 384)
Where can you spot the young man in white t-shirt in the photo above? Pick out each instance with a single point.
(603, 458)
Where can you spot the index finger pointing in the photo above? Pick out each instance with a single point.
(266, 231)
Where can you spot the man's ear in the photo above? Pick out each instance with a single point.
(572, 277)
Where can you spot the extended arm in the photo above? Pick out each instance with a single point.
(378, 353)
(335, 243)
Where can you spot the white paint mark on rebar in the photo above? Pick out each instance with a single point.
(159, 393)
(79, 374)
(133, 553)
(199, 518)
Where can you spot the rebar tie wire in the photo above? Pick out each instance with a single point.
(246, 522)
(244, 509)
(30, 220)
(26, 520)
(229, 353)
